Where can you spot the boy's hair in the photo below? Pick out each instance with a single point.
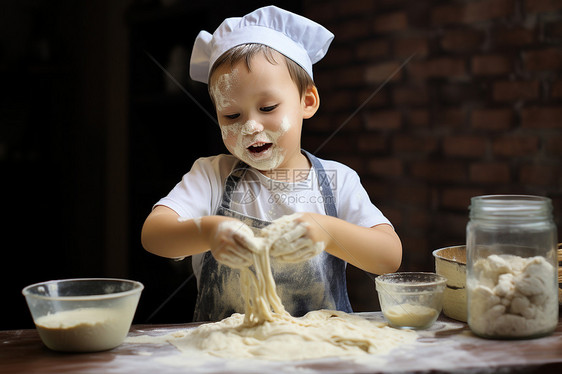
(247, 51)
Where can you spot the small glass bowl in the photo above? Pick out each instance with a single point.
(83, 315)
(411, 300)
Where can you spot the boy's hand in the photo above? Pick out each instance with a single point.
(233, 244)
(297, 241)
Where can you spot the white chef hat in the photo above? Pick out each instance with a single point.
(298, 38)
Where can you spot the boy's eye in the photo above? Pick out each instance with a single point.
(268, 108)
(232, 116)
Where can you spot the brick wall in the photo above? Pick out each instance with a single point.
(476, 110)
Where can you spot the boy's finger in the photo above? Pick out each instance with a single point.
(244, 241)
(233, 258)
(240, 252)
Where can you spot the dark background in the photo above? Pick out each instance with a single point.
(92, 134)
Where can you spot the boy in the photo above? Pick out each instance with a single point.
(259, 72)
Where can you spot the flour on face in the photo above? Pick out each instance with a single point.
(255, 144)
(220, 91)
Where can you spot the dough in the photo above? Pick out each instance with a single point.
(318, 334)
(288, 240)
(511, 296)
(267, 331)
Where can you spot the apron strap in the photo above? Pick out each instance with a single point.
(324, 182)
(231, 182)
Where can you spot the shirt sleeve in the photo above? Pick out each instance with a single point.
(199, 191)
(353, 202)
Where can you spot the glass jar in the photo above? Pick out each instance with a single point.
(512, 284)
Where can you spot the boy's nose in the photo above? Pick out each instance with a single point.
(251, 127)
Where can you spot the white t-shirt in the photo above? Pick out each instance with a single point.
(200, 192)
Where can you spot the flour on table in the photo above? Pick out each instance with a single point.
(267, 331)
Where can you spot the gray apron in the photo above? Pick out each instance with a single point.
(317, 283)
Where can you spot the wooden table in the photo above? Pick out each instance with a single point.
(448, 346)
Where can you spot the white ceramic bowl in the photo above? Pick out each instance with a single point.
(410, 300)
(83, 315)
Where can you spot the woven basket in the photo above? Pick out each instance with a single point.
(560, 273)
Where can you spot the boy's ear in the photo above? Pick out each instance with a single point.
(311, 102)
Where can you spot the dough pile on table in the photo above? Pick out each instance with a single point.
(267, 331)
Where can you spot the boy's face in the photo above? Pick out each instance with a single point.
(260, 112)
